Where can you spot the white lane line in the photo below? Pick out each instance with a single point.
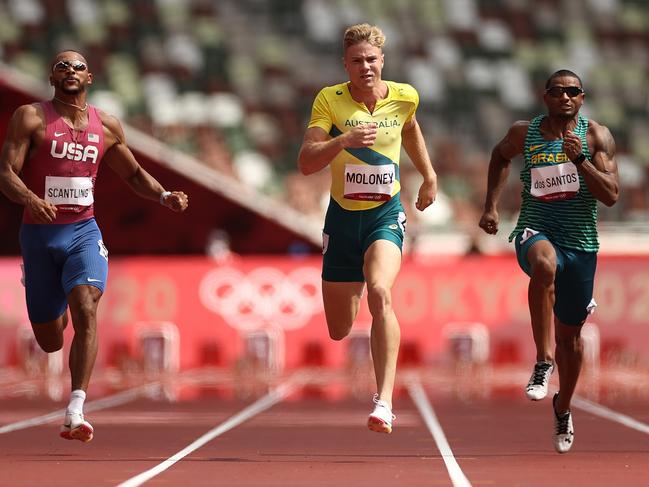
(418, 395)
(604, 412)
(266, 402)
(96, 405)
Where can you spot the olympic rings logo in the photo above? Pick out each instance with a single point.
(265, 297)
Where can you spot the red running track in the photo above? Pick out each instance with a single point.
(319, 438)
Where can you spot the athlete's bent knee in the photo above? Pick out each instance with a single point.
(49, 344)
(338, 334)
(84, 316)
(87, 309)
(379, 300)
(543, 271)
(568, 339)
(49, 336)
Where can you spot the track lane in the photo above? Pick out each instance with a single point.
(497, 438)
(317, 443)
(508, 441)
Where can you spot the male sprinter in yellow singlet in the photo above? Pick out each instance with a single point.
(569, 164)
(358, 127)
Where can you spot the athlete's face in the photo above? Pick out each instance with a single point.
(70, 74)
(364, 63)
(564, 97)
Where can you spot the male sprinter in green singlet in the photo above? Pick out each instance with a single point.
(569, 164)
(357, 128)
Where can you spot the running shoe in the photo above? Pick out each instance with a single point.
(380, 420)
(564, 433)
(76, 428)
(537, 387)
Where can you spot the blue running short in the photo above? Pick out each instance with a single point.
(56, 259)
(574, 280)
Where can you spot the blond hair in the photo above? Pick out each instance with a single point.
(363, 33)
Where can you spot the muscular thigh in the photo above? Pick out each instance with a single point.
(531, 247)
(382, 263)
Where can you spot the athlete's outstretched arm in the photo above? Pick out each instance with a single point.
(501, 157)
(600, 173)
(120, 158)
(24, 123)
(319, 148)
(415, 146)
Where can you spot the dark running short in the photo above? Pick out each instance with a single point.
(348, 234)
(57, 258)
(574, 280)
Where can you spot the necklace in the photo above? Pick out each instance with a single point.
(83, 108)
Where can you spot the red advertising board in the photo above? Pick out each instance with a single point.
(215, 304)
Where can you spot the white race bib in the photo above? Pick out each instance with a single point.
(73, 191)
(556, 182)
(372, 183)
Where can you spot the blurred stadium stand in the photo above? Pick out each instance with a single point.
(230, 83)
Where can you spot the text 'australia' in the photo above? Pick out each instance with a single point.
(380, 124)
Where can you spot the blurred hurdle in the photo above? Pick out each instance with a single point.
(589, 384)
(358, 363)
(32, 359)
(467, 346)
(359, 354)
(261, 361)
(467, 343)
(263, 350)
(591, 343)
(158, 347)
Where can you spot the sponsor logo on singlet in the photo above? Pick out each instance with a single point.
(74, 151)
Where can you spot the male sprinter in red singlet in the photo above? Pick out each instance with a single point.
(49, 164)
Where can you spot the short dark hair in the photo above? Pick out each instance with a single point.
(561, 73)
